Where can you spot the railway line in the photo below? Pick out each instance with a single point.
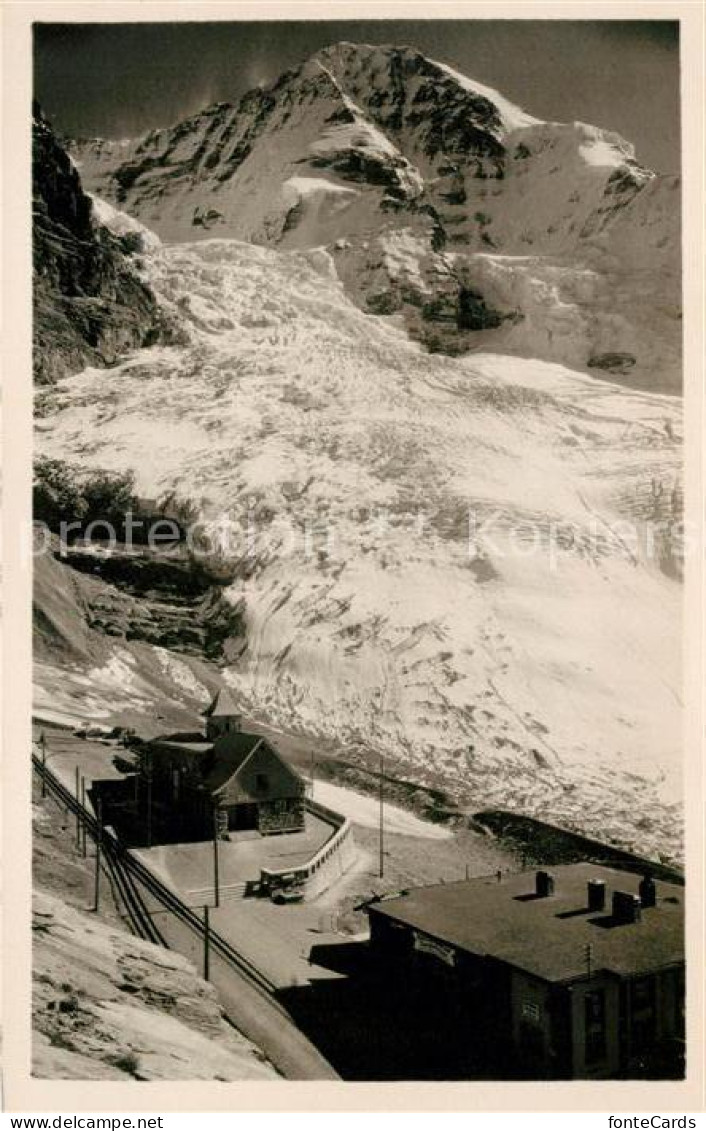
(245, 990)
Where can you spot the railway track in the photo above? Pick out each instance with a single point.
(249, 998)
(126, 869)
(135, 909)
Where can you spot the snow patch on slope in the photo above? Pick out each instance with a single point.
(364, 810)
(529, 661)
(120, 224)
(513, 118)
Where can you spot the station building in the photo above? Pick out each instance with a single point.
(573, 973)
(225, 779)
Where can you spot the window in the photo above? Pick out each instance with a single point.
(643, 1003)
(530, 1010)
(595, 1026)
(679, 984)
(261, 783)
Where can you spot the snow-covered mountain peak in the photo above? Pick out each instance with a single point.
(439, 200)
(395, 67)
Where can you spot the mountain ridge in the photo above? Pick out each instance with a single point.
(89, 302)
(430, 194)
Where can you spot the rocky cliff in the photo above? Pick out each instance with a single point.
(107, 1005)
(90, 303)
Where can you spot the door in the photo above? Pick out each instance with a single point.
(242, 816)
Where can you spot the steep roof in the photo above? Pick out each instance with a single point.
(189, 742)
(230, 753)
(222, 760)
(222, 704)
(548, 936)
(199, 748)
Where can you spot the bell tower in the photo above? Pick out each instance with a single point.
(222, 716)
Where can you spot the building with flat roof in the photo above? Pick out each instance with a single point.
(579, 972)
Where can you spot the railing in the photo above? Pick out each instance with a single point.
(326, 814)
(305, 874)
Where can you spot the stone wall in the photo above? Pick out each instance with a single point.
(284, 815)
(325, 866)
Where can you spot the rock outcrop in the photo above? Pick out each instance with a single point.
(90, 304)
(107, 1005)
(82, 598)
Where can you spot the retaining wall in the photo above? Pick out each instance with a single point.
(331, 861)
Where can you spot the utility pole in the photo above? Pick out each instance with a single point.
(43, 748)
(216, 885)
(78, 809)
(148, 765)
(313, 764)
(99, 837)
(382, 814)
(83, 807)
(375, 704)
(206, 943)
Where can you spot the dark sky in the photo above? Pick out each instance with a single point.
(119, 80)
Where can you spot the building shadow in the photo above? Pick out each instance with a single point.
(349, 958)
(369, 1027)
(137, 822)
(607, 921)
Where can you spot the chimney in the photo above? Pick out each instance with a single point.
(596, 895)
(648, 891)
(626, 907)
(544, 884)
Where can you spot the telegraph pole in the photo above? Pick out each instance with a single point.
(206, 942)
(148, 766)
(83, 808)
(78, 809)
(382, 814)
(43, 747)
(216, 884)
(99, 837)
(313, 764)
